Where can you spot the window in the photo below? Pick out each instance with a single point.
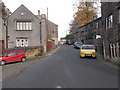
(11, 54)
(109, 21)
(111, 50)
(118, 49)
(106, 23)
(24, 25)
(22, 42)
(17, 53)
(97, 25)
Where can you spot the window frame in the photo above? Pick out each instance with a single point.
(109, 21)
(24, 25)
(19, 43)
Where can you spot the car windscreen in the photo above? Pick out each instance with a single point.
(79, 43)
(88, 47)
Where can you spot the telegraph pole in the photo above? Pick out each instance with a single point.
(47, 30)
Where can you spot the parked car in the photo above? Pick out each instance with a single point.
(12, 56)
(87, 50)
(78, 45)
(70, 42)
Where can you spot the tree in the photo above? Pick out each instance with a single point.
(4, 11)
(85, 13)
(70, 36)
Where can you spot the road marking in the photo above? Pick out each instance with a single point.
(58, 87)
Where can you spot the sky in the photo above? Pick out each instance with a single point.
(60, 12)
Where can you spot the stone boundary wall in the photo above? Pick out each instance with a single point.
(28, 51)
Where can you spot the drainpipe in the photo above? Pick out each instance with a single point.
(40, 34)
(104, 49)
(6, 27)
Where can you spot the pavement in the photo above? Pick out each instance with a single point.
(108, 63)
(65, 69)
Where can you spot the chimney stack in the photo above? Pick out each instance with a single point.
(38, 12)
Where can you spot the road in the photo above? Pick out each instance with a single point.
(65, 69)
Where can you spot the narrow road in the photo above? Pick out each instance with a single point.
(67, 70)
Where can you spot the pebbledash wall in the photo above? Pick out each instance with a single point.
(23, 29)
(27, 30)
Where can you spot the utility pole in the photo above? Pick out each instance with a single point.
(47, 13)
(47, 30)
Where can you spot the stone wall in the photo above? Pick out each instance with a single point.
(28, 51)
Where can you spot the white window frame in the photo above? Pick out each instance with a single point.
(18, 26)
(114, 48)
(106, 21)
(111, 50)
(97, 25)
(118, 47)
(20, 43)
(24, 25)
(109, 21)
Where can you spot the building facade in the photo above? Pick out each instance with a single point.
(104, 31)
(24, 29)
(88, 32)
(28, 30)
(2, 35)
(51, 34)
(111, 30)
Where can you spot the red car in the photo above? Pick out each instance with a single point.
(13, 56)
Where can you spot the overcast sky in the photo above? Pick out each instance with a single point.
(60, 12)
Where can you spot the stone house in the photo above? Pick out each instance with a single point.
(88, 32)
(51, 31)
(25, 29)
(75, 30)
(82, 34)
(105, 31)
(28, 30)
(111, 30)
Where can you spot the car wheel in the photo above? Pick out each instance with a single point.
(2, 63)
(80, 56)
(23, 59)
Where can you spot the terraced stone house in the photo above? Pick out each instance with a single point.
(111, 30)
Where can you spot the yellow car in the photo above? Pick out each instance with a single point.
(87, 50)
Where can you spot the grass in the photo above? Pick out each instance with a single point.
(37, 56)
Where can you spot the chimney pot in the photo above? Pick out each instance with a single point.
(38, 12)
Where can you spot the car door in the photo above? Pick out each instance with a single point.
(12, 57)
(18, 56)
